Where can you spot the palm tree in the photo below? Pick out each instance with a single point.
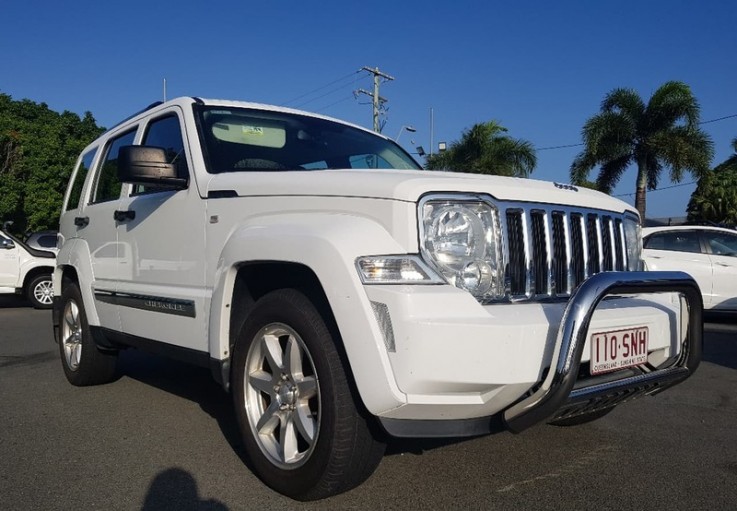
(484, 149)
(715, 197)
(662, 133)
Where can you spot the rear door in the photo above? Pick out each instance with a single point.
(681, 250)
(723, 253)
(95, 224)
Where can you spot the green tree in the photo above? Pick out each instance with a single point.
(485, 149)
(662, 133)
(38, 149)
(715, 197)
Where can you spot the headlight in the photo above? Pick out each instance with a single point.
(461, 240)
(633, 240)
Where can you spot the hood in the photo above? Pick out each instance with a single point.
(406, 185)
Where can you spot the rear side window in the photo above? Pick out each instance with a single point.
(108, 185)
(678, 241)
(47, 241)
(76, 191)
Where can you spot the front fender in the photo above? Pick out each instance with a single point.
(328, 244)
(76, 254)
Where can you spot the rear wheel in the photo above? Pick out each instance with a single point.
(83, 363)
(40, 291)
(305, 433)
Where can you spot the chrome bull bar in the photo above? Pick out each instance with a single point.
(556, 398)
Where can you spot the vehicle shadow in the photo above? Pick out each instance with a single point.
(13, 302)
(186, 381)
(197, 385)
(720, 346)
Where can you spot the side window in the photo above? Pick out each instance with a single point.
(108, 185)
(678, 241)
(76, 187)
(166, 133)
(722, 243)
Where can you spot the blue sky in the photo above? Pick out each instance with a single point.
(540, 68)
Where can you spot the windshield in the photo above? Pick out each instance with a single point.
(240, 139)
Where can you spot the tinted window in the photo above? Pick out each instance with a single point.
(47, 241)
(678, 241)
(76, 192)
(721, 243)
(166, 133)
(108, 185)
(239, 139)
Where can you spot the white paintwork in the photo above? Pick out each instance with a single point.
(16, 263)
(715, 274)
(454, 358)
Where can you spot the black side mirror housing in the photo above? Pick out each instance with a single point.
(148, 165)
(7, 244)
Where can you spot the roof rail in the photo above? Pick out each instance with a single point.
(149, 107)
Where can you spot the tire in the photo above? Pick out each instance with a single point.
(40, 291)
(582, 419)
(304, 430)
(84, 364)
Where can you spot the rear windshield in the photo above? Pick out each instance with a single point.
(241, 140)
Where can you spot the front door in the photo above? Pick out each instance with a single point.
(161, 289)
(9, 262)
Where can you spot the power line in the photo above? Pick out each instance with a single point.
(657, 189)
(581, 143)
(719, 119)
(349, 75)
(321, 109)
(331, 91)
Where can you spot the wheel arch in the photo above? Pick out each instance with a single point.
(315, 254)
(35, 272)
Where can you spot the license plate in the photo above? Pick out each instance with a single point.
(617, 349)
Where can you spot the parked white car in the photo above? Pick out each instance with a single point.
(708, 254)
(25, 270)
(343, 294)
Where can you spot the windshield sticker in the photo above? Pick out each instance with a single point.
(253, 130)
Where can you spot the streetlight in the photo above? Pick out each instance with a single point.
(411, 129)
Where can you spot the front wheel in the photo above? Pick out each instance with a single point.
(40, 291)
(306, 434)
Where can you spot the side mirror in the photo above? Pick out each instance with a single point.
(7, 244)
(146, 165)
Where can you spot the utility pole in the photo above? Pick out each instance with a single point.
(377, 100)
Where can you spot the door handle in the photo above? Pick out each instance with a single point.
(122, 216)
(81, 221)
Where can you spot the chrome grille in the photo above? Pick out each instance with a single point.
(550, 250)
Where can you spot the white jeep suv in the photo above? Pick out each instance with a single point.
(342, 294)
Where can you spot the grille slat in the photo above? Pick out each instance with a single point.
(549, 252)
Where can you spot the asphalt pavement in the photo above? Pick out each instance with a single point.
(162, 436)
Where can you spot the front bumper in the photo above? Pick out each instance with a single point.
(557, 398)
(518, 369)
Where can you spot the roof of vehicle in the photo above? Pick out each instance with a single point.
(188, 101)
(650, 230)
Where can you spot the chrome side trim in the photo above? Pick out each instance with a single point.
(555, 393)
(148, 303)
